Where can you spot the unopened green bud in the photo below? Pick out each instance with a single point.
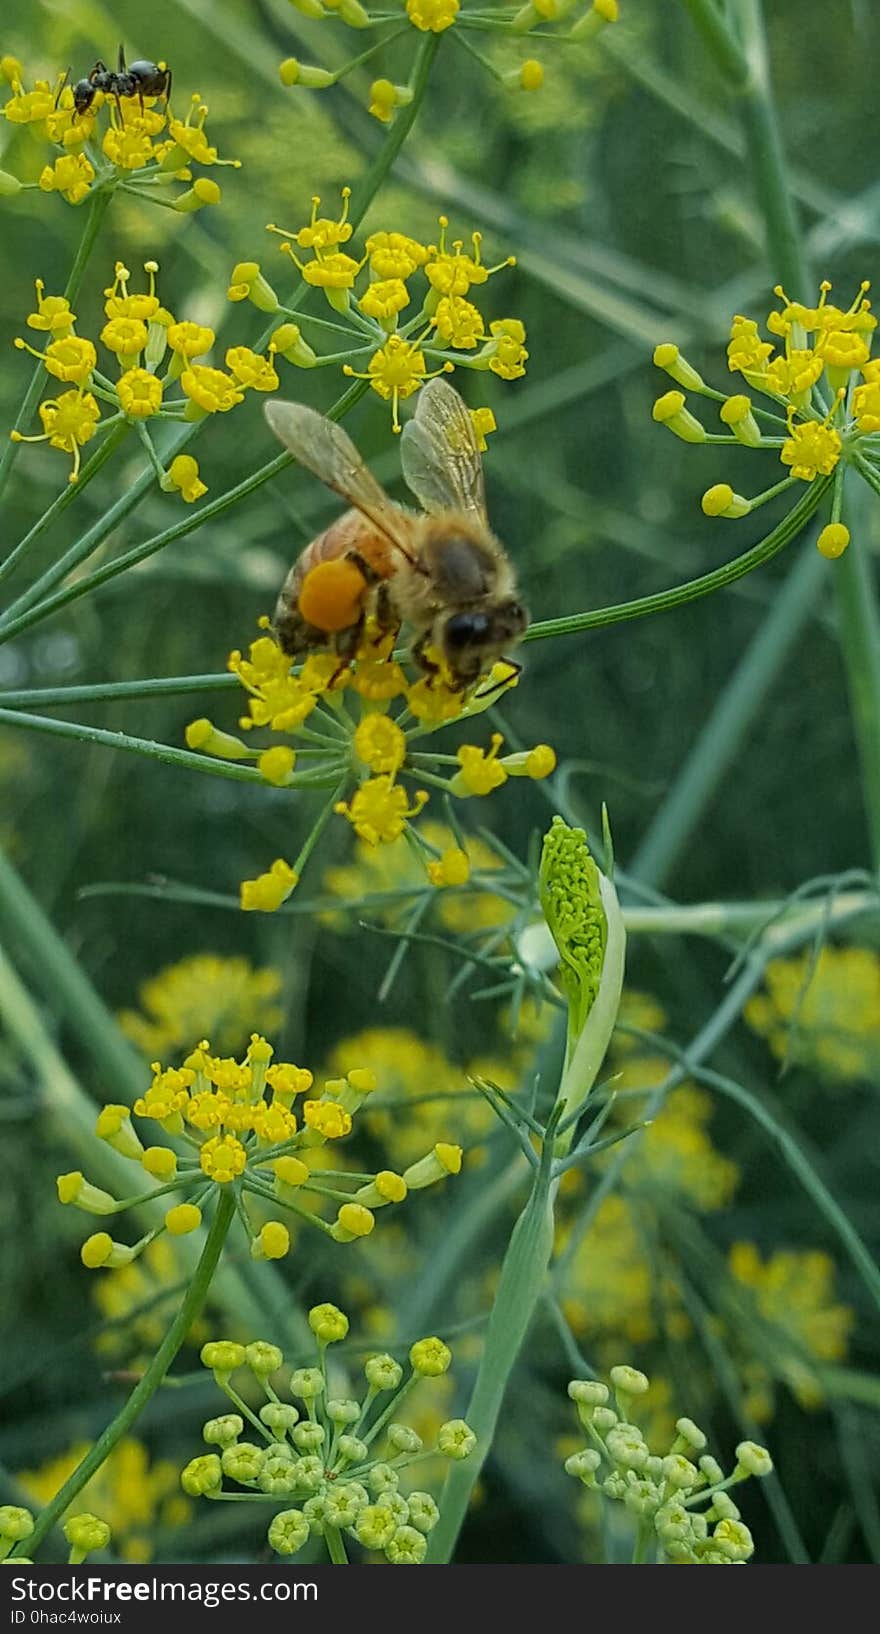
(690, 1435)
(243, 1462)
(583, 1465)
(407, 1547)
(308, 1437)
(404, 1439)
(430, 1358)
(288, 1531)
(375, 1527)
(382, 1372)
(202, 1477)
(423, 1512)
(456, 1439)
(307, 1382)
(381, 1479)
(222, 1431)
(584, 918)
(680, 1473)
(628, 1381)
(263, 1358)
(85, 1534)
(309, 1474)
(328, 1323)
(222, 1356)
(279, 1417)
(752, 1460)
(16, 1523)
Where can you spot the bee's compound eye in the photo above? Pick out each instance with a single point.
(464, 629)
(331, 596)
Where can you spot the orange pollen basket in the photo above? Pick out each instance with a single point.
(332, 595)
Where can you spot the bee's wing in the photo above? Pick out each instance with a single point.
(329, 453)
(440, 454)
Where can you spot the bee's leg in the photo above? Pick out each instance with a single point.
(294, 635)
(514, 668)
(347, 643)
(365, 567)
(385, 612)
(419, 656)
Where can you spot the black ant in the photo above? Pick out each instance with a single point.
(139, 79)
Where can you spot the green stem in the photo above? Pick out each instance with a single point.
(106, 691)
(859, 625)
(366, 190)
(782, 535)
(782, 228)
(713, 27)
(140, 746)
(190, 1308)
(94, 218)
(523, 1273)
(335, 1546)
(69, 493)
(729, 722)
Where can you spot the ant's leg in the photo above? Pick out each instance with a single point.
(168, 91)
(64, 79)
(120, 60)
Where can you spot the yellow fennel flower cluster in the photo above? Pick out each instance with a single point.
(365, 728)
(792, 1295)
(824, 387)
(209, 994)
(159, 374)
(387, 97)
(408, 308)
(133, 142)
(823, 1013)
(136, 1495)
(326, 1465)
(231, 1123)
(678, 1500)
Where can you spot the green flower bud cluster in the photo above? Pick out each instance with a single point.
(679, 1500)
(573, 909)
(334, 1462)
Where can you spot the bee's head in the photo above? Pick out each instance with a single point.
(474, 639)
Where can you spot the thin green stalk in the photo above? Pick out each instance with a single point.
(335, 1546)
(95, 216)
(713, 27)
(782, 535)
(366, 190)
(107, 691)
(728, 723)
(519, 1291)
(190, 1308)
(140, 746)
(859, 624)
(69, 493)
(782, 227)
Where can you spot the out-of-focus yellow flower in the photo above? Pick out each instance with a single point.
(135, 1495)
(204, 995)
(824, 1015)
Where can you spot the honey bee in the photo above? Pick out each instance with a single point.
(441, 571)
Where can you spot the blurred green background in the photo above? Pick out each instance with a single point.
(624, 191)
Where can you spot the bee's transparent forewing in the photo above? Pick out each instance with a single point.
(440, 454)
(329, 453)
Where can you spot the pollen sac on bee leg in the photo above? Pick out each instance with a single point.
(332, 594)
